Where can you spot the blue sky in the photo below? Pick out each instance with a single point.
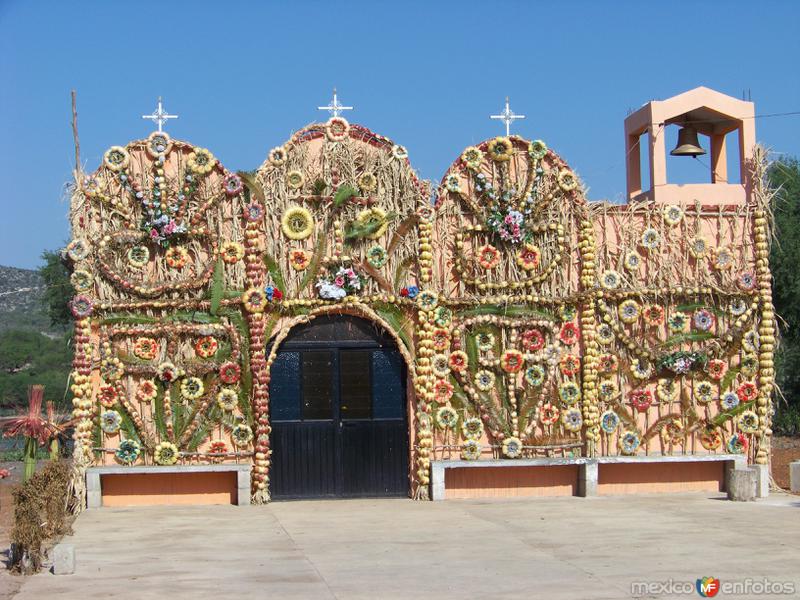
(243, 76)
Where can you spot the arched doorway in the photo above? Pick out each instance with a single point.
(338, 412)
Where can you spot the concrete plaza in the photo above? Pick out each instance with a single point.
(533, 548)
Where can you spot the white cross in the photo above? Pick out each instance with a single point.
(507, 117)
(159, 116)
(335, 108)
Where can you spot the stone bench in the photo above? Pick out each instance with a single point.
(662, 461)
(794, 476)
(578, 476)
(95, 476)
(561, 471)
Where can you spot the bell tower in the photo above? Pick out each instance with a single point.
(698, 111)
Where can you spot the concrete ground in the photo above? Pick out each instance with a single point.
(373, 549)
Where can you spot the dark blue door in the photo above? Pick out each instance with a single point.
(337, 406)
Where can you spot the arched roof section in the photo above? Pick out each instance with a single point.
(151, 222)
(338, 196)
(508, 217)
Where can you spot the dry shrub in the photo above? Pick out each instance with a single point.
(40, 514)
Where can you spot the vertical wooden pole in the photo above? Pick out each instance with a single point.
(75, 135)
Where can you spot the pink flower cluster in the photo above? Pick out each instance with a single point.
(345, 281)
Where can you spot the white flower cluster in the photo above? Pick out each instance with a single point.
(346, 280)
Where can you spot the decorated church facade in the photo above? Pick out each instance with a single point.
(332, 326)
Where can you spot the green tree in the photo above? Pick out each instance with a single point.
(58, 290)
(784, 176)
(30, 357)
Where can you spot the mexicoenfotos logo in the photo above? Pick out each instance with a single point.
(708, 587)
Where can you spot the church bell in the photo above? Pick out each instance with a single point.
(688, 144)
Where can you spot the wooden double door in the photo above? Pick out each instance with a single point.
(338, 413)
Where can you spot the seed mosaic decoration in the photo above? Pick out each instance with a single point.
(532, 322)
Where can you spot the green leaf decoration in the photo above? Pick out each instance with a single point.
(217, 286)
(97, 438)
(245, 407)
(728, 379)
(721, 418)
(246, 387)
(472, 353)
(247, 376)
(192, 317)
(356, 230)
(269, 326)
(158, 415)
(693, 307)
(507, 311)
(695, 336)
(224, 351)
(316, 259)
(236, 319)
(207, 422)
(178, 411)
(196, 419)
(319, 187)
(500, 384)
(396, 319)
(126, 424)
(128, 320)
(459, 400)
(275, 272)
(343, 194)
(695, 360)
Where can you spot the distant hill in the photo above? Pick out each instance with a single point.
(31, 349)
(21, 306)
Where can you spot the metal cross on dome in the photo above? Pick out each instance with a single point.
(159, 116)
(507, 117)
(335, 108)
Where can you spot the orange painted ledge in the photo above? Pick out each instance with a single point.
(177, 484)
(608, 475)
